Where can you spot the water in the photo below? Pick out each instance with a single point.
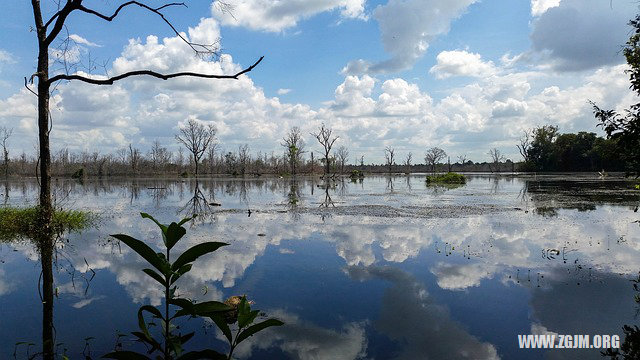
(386, 268)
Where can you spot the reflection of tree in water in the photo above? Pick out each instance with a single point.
(6, 192)
(408, 182)
(630, 346)
(390, 181)
(293, 195)
(439, 189)
(550, 196)
(327, 196)
(198, 205)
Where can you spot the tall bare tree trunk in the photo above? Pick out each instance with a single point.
(45, 242)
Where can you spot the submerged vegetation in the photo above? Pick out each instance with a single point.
(448, 178)
(22, 223)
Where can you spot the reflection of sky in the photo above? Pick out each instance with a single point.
(503, 248)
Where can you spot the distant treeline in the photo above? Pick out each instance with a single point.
(544, 149)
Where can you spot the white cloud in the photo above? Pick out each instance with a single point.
(82, 41)
(276, 16)
(538, 7)
(283, 91)
(407, 27)
(461, 63)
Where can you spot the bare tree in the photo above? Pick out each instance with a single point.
(342, 154)
(196, 138)
(294, 148)
(462, 159)
(134, 158)
(243, 158)
(525, 145)
(159, 155)
(5, 134)
(211, 156)
(389, 154)
(496, 159)
(407, 161)
(433, 156)
(326, 141)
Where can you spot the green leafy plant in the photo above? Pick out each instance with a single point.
(167, 273)
(448, 178)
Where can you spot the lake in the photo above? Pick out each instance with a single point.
(383, 268)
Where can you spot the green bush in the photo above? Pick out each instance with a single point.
(448, 178)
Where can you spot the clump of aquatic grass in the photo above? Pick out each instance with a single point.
(20, 223)
(448, 178)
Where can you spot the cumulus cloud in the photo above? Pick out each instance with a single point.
(407, 27)
(461, 63)
(276, 16)
(538, 7)
(582, 34)
(283, 91)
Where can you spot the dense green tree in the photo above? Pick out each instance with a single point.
(626, 129)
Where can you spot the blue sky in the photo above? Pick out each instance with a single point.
(464, 75)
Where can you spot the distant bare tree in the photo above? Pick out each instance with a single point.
(362, 160)
(243, 158)
(342, 154)
(433, 156)
(496, 159)
(159, 155)
(196, 138)
(462, 159)
(294, 148)
(389, 155)
(525, 144)
(134, 157)
(326, 141)
(5, 134)
(211, 156)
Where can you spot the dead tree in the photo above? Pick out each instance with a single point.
(407, 161)
(496, 159)
(389, 157)
(47, 31)
(326, 141)
(525, 144)
(433, 156)
(294, 148)
(342, 154)
(197, 138)
(5, 134)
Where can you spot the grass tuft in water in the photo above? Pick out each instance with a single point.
(21, 223)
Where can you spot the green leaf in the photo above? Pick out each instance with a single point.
(125, 355)
(185, 338)
(195, 252)
(183, 303)
(246, 320)
(202, 354)
(204, 309)
(183, 221)
(157, 277)
(251, 330)
(221, 323)
(183, 270)
(161, 226)
(145, 251)
(174, 233)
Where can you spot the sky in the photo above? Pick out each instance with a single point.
(463, 75)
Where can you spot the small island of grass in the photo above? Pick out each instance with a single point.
(18, 223)
(448, 178)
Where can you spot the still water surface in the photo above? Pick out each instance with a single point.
(386, 268)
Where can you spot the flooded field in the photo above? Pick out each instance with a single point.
(384, 268)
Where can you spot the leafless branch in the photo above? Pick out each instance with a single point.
(113, 79)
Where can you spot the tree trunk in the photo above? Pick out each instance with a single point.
(45, 240)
